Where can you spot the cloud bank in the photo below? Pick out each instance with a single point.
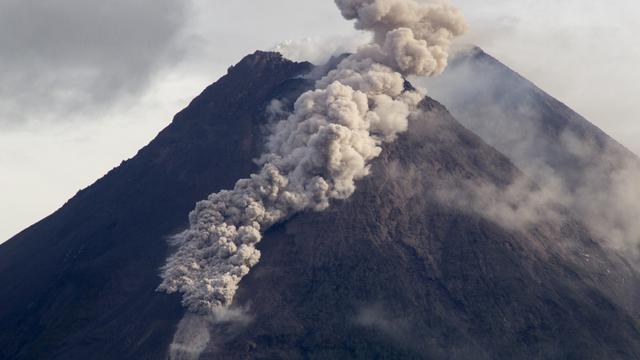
(69, 55)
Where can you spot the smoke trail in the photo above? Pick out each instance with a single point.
(195, 333)
(191, 338)
(318, 152)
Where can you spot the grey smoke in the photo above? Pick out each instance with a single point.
(516, 206)
(594, 177)
(375, 317)
(194, 333)
(191, 338)
(71, 55)
(608, 195)
(398, 327)
(606, 200)
(318, 152)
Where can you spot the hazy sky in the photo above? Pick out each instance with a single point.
(84, 84)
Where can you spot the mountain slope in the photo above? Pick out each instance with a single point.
(397, 271)
(82, 281)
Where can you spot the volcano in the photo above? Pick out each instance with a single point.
(397, 271)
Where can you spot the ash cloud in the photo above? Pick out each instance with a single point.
(191, 338)
(198, 334)
(320, 50)
(71, 55)
(318, 152)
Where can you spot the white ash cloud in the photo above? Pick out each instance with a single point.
(319, 151)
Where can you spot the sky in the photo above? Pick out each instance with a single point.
(85, 84)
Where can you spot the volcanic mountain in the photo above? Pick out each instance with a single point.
(398, 271)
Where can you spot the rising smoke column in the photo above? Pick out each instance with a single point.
(319, 151)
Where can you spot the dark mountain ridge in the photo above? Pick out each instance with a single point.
(393, 272)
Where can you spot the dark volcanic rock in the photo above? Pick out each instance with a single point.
(392, 273)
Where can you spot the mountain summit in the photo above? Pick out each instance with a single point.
(415, 265)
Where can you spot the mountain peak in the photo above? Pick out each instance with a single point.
(396, 271)
(265, 60)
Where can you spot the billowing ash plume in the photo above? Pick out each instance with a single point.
(319, 151)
